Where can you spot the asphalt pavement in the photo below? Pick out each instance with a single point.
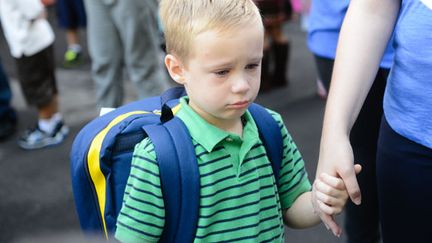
(36, 202)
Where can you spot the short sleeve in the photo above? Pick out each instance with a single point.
(142, 216)
(293, 178)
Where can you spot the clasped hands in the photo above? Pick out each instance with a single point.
(329, 196)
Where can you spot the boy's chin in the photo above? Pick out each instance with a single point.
(236, 114)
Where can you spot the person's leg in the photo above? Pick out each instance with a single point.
(73, 55)
(281, 53)
(7, 113)
(266, 74)
(143, 57)
(5, 95)
(404, 179)
(325, 70)
(68, 21)
(37, 78)
(39, 87)
(362, 222)
(80, 17)
(106, 51)
(72, 37)
(46, 111)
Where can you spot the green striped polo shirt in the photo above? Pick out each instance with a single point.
(239, 199)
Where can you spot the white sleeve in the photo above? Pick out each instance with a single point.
(31, 9)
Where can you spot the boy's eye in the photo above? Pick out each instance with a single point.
(252, 66)
(222, 72)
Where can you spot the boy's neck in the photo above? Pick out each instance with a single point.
(232, 126)
(236, 128)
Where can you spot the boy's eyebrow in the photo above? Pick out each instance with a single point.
(256, 59)
(227, 63)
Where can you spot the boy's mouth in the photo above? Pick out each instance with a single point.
(239, 105)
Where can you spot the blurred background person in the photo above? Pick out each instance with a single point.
(274, 67)
(71, 18)
(30, 40)
(301, 10)
(325, 21)
(8, 119)
(124, 35)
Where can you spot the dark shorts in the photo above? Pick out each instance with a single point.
(71, 14)
(36, 75)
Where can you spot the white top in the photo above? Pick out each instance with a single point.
(25, 30)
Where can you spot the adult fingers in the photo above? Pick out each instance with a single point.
(348, 175)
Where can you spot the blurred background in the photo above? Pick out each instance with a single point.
(36, 202)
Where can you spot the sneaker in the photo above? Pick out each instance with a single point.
(36, 138)
(72, 58)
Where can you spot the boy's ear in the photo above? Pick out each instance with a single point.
(175, 68)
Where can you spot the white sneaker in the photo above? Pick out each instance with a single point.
(36, 138)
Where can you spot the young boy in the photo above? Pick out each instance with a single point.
(30, 40)
(215, 50)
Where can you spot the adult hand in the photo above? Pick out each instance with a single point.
(336, 159)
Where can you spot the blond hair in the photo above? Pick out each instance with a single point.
(183, 20)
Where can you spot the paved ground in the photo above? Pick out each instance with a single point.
(36, 203)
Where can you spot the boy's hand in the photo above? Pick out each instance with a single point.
(329, 195)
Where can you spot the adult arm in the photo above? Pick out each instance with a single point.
(366, 30)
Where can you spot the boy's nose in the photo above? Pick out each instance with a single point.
(241, 84)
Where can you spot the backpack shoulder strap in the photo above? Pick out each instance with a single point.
(180, 180)
(270, 134)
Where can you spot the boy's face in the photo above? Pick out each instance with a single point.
(222, 77)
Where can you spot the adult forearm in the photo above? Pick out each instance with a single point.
(366, 30)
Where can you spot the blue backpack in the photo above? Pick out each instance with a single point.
(101, 158)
